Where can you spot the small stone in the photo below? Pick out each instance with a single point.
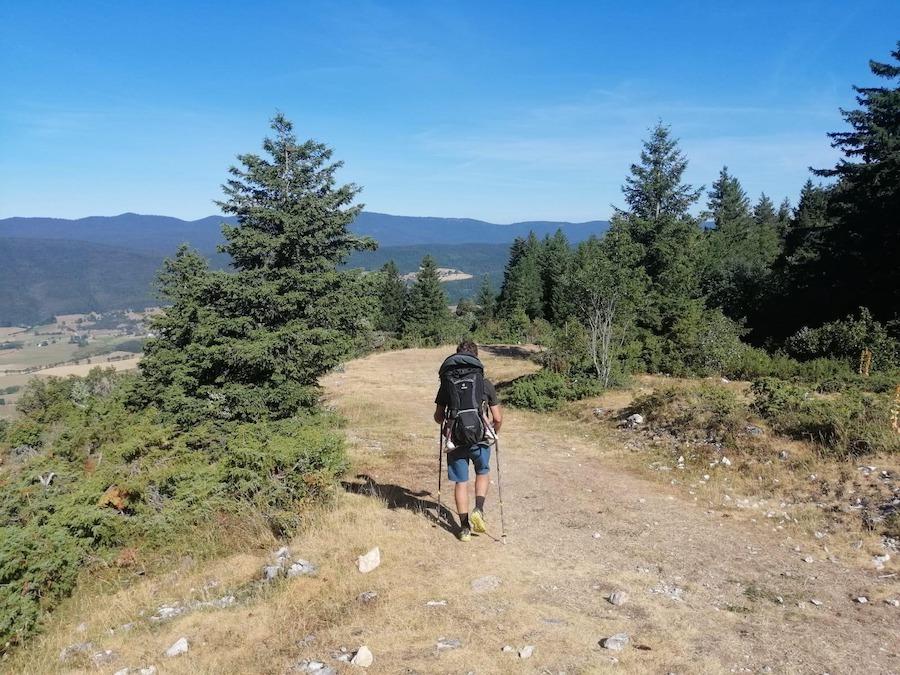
(444, 644)
(808, 559)
(104, 657)
(180, 647)
(282, 554)
(817, 603)
(367, 596)
(618, 598)
(893, 602)
(363, 657)
(70, 652)
(526, 652)
(861, 600)
(122, 671)
(634, 420)
(784, 454)
(149, 670)
(487, 583)
(615, 642)
(597, 535)
(726, 461)
(507, 648)
(753, 430)
(370, 561)
(880, 560)
(436, 603)
(271, 572)
(301, 568)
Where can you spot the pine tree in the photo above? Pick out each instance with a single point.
(522, 290)
(861, 252)
(427, 315)
(555, 261)
(391, 297)
(658, 219)
(784, 219)
(252, 343)
(486, 300)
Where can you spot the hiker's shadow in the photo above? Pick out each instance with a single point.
(399, 497)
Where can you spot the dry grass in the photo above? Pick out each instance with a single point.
(563, 482)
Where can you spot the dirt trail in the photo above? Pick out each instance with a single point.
(706, 593)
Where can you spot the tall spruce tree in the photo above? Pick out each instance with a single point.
(251, 343)
(658, 219)
(556, 258)
(486, 300)
(427, 315)
(391, 298)
(860, 252)
(522, 291)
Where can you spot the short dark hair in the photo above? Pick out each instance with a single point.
(467, 346)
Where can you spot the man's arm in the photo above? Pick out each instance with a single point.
(496, 417)
(439, 413)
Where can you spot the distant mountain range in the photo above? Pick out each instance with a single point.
(52, 265)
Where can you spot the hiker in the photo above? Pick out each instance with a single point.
(468, 409)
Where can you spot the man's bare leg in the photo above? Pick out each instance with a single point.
(461, 494)
(482, 481)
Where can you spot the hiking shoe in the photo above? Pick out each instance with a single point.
(478, 524)
(464, 534)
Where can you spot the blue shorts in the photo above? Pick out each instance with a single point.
(458, 462)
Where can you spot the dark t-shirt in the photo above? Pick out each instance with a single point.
(443, 400)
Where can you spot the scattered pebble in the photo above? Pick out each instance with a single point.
(615, 643)
(444, 644)
(363, 657)
(526, 652)
(181, 646)
(507, 649)
(634, 420)
(880, 560)
(368, 562)
(618, 598)
(808, 559)
(367, 596)
(817, 603)
(487, 583)
(597, 535)
(893, 602)
(862, 600)
(436, 603)
(68, 653)
(301, 568)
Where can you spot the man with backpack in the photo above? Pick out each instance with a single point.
(468, 409)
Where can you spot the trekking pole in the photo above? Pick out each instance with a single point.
(440, 470)
(500, 492)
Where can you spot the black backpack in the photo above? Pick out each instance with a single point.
(462, 378)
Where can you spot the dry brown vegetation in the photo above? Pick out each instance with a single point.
(587, 512)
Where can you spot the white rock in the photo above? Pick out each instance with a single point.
(808, 559)
(618, 598)
(436, 603)
(893, 602)
(181, 646)
(444, 644)
(367, 596)
(635, 420)
(123, 671)
(862, 600)
(817, 603)
(526, 652)
(507, 649)
(597, 535)
(368, 562)
(363, 657)
(271, 572)
(282, 554)
(880, 560)
(726, 461)
(483, 584)
(615, 642)
(301, 568)
(149, 670)
(67, 653)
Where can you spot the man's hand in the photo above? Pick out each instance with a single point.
(439, 414)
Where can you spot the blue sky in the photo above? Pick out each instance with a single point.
(497, 110)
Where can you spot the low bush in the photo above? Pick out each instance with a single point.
(703, 412)
(850, 423)
(846, 339)
(156, 489)
(546, 390)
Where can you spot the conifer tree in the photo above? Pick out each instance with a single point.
(555, 261)
(391, 297)
(427, 315)
(860, 252)
(522, 289)
(784, 219)
(658, 219)
(251, 343)
(486, 300)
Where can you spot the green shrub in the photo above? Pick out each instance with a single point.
(845, 340)
(850, 423)
(168, 485)
(546, 390)
(703, 412)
